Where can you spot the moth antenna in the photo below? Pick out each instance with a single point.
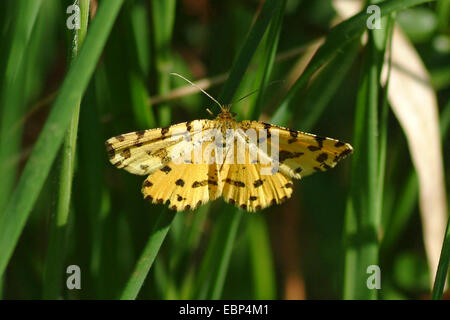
(210, 112)
(199, 88)
(254, 91)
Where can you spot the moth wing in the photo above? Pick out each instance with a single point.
(246, 188)
(299, 154)
(248, 184)
(146, 151)
(186, 182)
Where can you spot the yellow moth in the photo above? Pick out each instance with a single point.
(250, 164)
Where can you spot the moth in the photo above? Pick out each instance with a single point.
(250, 164)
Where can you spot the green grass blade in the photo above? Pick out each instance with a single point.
(229, 236)
(442, 271)
(268, 59)
(363, 215)
(12, 106)
(338, 37)
(151, 249)
(246, 53)
(324, 87)
(140, 66)
(56, 246)
(407, 200)
(163, 16)
(213, 269)
(443, 14)
(36, 170)
(264, 281)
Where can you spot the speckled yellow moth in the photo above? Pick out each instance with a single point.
(250, 164)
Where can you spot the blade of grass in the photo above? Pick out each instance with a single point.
(270, 51)
(139, 71)
(442, 270)
(247, 51)
(443, 14)
(324, 86)
(12, 105)
(264, 281)
(163, 16)
(213, 267)
(363, 214)
(408, 198)
(228, 236)
(151, 249)
(26, 14)
(56, 251)
(337, 38)
(355, 201)
(444, 260)
(188, 239)
(51, 137)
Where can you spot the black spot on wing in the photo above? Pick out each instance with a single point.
(322, 157)
(166, 169)
(320, 141)
(294, 135)
(284, 155)
(147, 184)
(267, 127)
(126, 153)
(235, 183)
(289, 185)
(164, 130)
(257, 183)
(313, 148)
(110, 150)
(325, 166)
(197, 184)
(343, 154)
(140, 134)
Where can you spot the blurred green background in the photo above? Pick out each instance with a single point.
(64, 92)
